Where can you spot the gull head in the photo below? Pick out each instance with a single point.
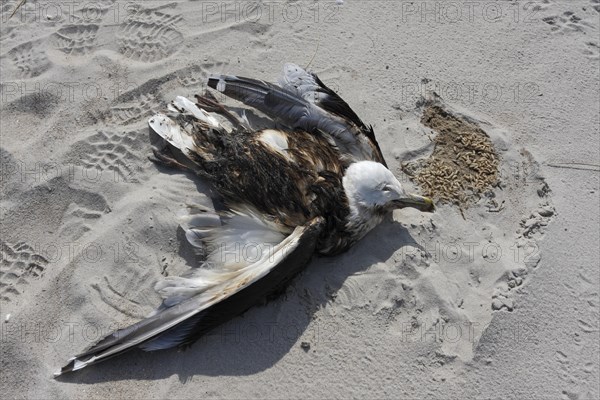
(370, 186)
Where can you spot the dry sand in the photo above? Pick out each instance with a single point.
(498, 299)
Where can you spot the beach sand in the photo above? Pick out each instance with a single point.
(497, 298)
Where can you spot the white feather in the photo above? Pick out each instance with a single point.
(368, 185)
(178, 134)
(244, 119)
(221, 85)
(234, 243)
(297, 80)
(197, 112)
(227, 284)
(276, 141)
(172, 132)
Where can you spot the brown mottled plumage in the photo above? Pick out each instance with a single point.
(303, 182)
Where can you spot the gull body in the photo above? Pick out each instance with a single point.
(314, 182)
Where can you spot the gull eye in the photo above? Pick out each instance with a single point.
(387, 189)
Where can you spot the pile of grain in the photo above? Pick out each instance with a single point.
(463, 164)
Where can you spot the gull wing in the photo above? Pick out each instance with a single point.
(195, 304)
(308, 86)
(304, 102)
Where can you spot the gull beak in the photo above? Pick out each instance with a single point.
(421, 203)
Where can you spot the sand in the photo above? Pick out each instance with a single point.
(497, 298)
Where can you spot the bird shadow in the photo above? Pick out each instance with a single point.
(263, 335)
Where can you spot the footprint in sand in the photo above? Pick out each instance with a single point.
(592, 50)
(190, 81)
(41, 211)
(195, 76)
(77, 221)
(532, 226)
(76, 39)
(81, 37)
(583, 21)
(29, 59)
(568, 21)
(118, 299)
(142, 34)
(141, 106)
(141, 102)
(578, 374)
(121, 154)
(149, 35)
(19, 263)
